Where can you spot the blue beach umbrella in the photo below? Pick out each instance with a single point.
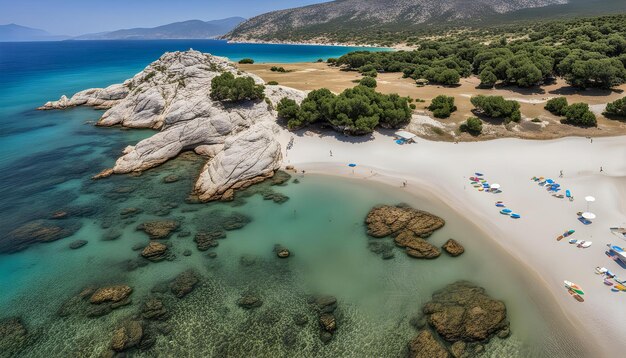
(352, 165)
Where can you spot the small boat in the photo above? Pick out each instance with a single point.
(620, 287)
(559, 238)
(614, 289)
(585, 244)
(601, 270)
(568, 193)
(607, 282)
(573, 241)
(574, 287)
(505, 212)
(515, 216)
(481, 189)
(478, 174)
(500, 205)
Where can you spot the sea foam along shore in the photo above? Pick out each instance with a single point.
(444, 170)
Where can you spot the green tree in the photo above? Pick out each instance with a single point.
(368, 82)
(497, 107)
(488, 78)
(579, 114)
(617, 108)
(246, 61)
(227, 87)
(442, 106)
(557, 106)
(473, 126)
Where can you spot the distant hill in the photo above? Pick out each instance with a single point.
(347, 20)
(192, 29)
(14, 33)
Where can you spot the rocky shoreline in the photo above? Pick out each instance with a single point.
(172, 96)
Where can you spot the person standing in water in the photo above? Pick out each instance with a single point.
(331, 153)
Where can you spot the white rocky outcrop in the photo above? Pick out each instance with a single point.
(171, 95)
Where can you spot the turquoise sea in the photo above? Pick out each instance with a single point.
(46, 162)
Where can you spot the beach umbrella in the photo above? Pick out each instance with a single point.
(589, 199)
(589, 216)
(352, 165)
(495, 186)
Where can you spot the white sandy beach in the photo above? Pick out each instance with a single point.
(444, 168)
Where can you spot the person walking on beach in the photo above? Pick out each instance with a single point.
(331, 153)
(601, 170)
(561, 174)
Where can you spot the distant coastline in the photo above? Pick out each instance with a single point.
(314, 43)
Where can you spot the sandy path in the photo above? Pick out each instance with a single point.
(444, 168)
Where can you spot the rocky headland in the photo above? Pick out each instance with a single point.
(172, 96)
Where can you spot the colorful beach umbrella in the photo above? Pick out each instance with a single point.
(589, 216)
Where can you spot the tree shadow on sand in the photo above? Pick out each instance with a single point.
(525, 91)
(590, 92)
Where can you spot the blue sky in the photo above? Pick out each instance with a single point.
(75, 17)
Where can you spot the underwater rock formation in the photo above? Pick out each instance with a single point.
(172, 95)
(155, 251)
(37, 231)
(453, 248)
(408, 226)
(184, 283)
(464, 317)
(13, 336)
(115, 293)
(159, 229)
(388, 220)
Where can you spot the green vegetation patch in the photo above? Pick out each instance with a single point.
(355, 111)
(442, 106)
(497, 107)
(227, 87)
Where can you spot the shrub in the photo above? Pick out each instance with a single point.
(556, 106)
(497, 107)
(442, 106)
(412, 106)
(579, 114)
(227, 87)
(278, 69)
(331, 61)
(246, 61)
(368, 82)
(617, 108)
(473, 126)
(320, 60)
(272, 83)
(288, 109)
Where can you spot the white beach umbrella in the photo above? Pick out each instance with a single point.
(590, 199)
(495, 186)
(588, 215)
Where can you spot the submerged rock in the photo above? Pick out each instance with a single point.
(424, 345)
(78, 244)
(462, 311)
(388, 220)
(453, 248)
(172, 178)
(160, 229)
(172, 95)
(13, 336)
(249, 301)
(184, 283)
(155, 251)
(36, 232)
(153, 309)
(207, 240)
(127, 336)
(111, 294)
(416, 246)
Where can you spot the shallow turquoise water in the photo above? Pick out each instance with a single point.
(47, 159)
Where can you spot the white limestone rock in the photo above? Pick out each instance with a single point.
(171, 95)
